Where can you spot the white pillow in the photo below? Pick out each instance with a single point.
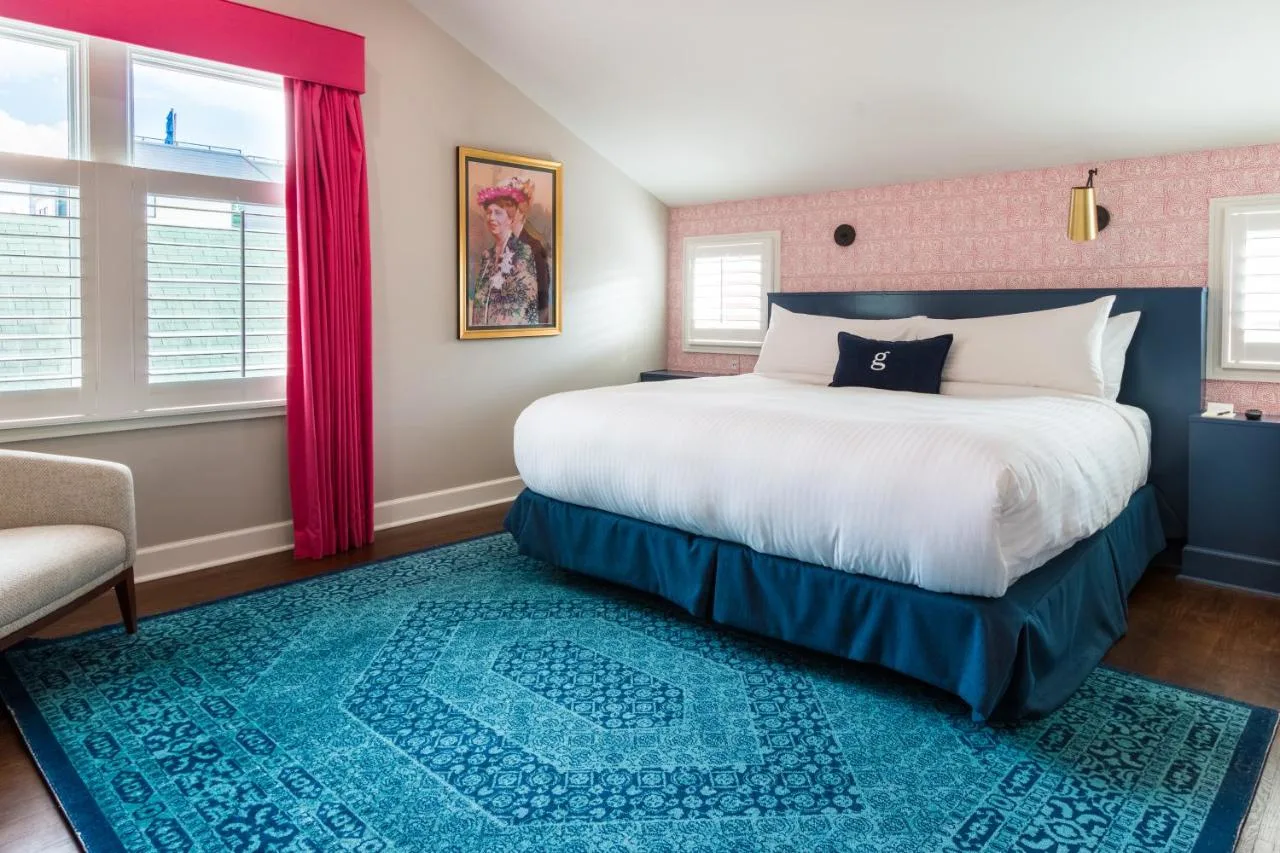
(803, 347)
(1115, 344)
(1060, 348)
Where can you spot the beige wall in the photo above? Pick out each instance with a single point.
(443, 408)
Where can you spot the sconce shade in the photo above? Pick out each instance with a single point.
(1082, 220)
(1086, 218)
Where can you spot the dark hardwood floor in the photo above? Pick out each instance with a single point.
(1209, 638)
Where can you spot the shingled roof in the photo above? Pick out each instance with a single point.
(222, 163)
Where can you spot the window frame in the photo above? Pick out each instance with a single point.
(115, 392)
(1218, 329)
(771, 280)
(76, 47)
(187, 65)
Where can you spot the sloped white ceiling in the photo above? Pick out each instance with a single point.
(704, 100)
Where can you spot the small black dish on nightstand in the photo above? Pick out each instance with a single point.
(1253, 415)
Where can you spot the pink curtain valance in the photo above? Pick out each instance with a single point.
(217, 30)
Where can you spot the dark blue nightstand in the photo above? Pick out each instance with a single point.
(665, 375)
(1233, 532)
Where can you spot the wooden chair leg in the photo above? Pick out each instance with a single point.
(128, 601)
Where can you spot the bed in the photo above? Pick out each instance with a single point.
(999, 570)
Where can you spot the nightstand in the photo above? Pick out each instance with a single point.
(1233, 530)
(665, 375)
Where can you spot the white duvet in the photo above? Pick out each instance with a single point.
(949, 493)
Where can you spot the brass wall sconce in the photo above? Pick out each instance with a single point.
(1086, 217)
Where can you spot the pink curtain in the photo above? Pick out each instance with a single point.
(330, 383)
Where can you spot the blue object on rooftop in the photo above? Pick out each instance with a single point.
(171, 128)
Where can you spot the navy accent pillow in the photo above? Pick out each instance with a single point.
(891, 365)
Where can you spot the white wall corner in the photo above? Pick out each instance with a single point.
(190, 555)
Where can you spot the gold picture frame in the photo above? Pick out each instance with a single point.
(509, 209)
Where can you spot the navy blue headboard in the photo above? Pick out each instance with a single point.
(1163, 374)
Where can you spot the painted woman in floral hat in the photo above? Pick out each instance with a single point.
(506, 289)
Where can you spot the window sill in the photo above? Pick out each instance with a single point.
(35, 429)
(1239, 374)
(723, 349)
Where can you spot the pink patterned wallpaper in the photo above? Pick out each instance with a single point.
(1004, 230)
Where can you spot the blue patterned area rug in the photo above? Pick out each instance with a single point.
(469, 699)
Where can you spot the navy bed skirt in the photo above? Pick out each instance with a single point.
(1021, 655)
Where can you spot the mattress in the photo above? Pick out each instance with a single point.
(952, 493)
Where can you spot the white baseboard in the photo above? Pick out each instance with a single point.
(203, 552)
(394, 513)
(191, 555)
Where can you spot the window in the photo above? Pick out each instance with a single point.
(206, 120)
(40, 342)
(216, 278)
(1244, 333)
(149, 278)
(39, 93)
(726, 285)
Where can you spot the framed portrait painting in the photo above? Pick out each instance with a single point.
(508, 245)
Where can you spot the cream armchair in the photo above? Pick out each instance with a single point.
(67, 534)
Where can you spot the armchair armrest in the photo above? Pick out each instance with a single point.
(38, 489)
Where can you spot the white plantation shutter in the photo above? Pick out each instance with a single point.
(216, 280)
(727, 282)
(40, 317)
(1247, 278)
